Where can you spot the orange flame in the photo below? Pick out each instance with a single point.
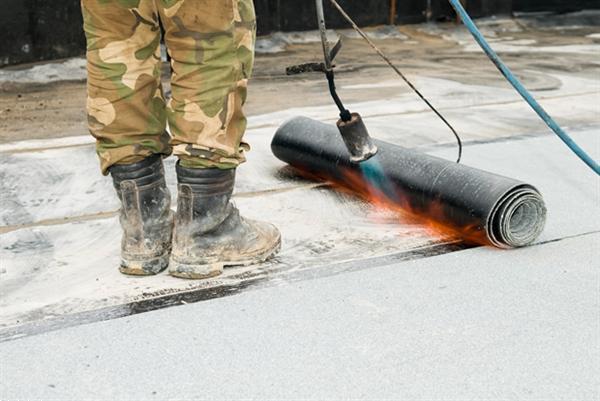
(433, 217)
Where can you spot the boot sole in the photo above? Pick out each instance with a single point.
(190, 271)
(148, 267)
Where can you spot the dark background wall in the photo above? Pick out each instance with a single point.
(33, 30)
(561, 6)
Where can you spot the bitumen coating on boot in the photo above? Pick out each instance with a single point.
(209, 232)
(145, 216)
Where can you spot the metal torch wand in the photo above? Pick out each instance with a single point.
(351, 126)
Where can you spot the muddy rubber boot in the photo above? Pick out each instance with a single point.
(209, 233)
(145, 216)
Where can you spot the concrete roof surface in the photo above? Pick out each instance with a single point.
(475, 324)
(361, 303)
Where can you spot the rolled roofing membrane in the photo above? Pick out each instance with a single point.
(476, 205)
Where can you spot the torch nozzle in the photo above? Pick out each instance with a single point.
(357, 139)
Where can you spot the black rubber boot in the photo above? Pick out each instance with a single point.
(145, 216)
(210, 234)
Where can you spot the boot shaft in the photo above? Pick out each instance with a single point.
(143, 192)
(142, 173)
(145, 215)
(204, 198)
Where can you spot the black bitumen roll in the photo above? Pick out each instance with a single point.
(505, 212)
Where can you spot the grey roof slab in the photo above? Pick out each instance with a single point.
(340, 313)
(476, 324)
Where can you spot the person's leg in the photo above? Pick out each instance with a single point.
(126, 108)
(126, 114)
(212, 48)
(211, 44)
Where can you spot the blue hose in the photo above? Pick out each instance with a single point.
(521, 89)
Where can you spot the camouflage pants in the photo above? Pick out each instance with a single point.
(211, 44)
